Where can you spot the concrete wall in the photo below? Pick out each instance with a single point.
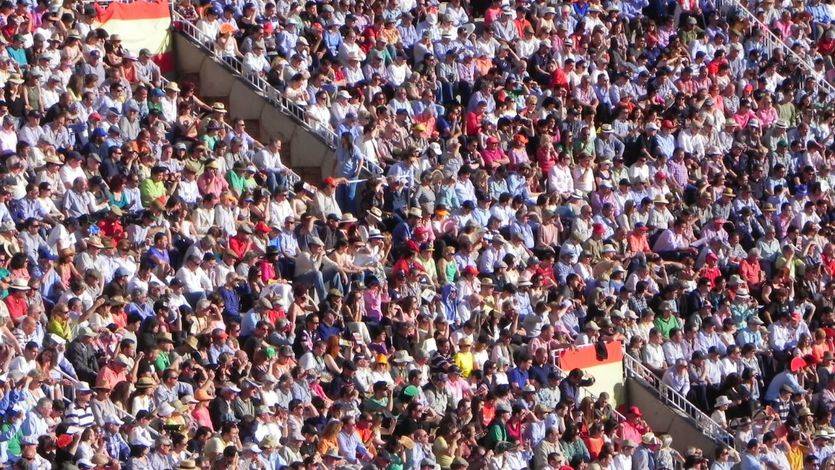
(306, 150)
(666, 420)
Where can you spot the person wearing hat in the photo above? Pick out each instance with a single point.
(607, 145)
(82, 355)
(464, 359)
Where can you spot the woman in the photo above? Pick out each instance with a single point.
(333, 356)
(139, 458)
(65, 268)
(380, 371)
(116, 197)
(573, 448)
(14, 96)
(143, 397)
(48, 368)
(329, 438)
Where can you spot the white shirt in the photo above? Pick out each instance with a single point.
(194, 281)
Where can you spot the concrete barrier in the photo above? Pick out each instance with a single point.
(305, 149)
(665, 420)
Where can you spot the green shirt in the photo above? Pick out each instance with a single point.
(665, 326)
(150, 190)
(239, 183)
(162, 361)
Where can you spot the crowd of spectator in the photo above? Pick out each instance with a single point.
(511, 180)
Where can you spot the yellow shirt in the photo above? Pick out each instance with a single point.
(60, 328)
(795, 456)
(465, 361)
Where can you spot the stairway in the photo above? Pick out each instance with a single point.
(667, 411)
(266, 113)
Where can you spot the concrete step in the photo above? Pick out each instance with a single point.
(309, 174)
(253, 127)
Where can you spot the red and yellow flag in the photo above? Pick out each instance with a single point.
(141, 25)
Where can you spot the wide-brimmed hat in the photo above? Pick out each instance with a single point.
(145, 382)
(722, 400)
(19, 285)
(401, 355)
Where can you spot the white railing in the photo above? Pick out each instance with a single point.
(772, 42)
(634, 369)
(267, 91)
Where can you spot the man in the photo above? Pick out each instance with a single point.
(351, 447)
(197, 283)
(82, 355)
(221, 409)
(549, 445)
(268, 160)
(751, 456)
(29, 457)
(644, 457)
(678, 378)
(38, 421)
(80, 409)
(162, 457)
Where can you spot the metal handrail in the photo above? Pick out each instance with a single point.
(635, 369)
(267, 91)
(772, 42)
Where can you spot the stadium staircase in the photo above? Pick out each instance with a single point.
(669, 412)
(265, 110)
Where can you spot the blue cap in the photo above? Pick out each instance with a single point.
(121, 272)
(99, 132)
(46, 253)
(157, 92)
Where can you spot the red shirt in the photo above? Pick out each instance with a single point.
(711, 273)
(109, 378)
(112, 229)
(473, 124)
(751, 272)
(240, 244)
(17, 306)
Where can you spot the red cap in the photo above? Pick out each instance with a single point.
(471, 270)
(63, 440)
(492, 140)
(268, 27)
(634, 410)
(262, 227)
(598, 229)
(711, 257)
(95, 117)
(661, 175)
(668, 124)
(421, 230)
(330, 181)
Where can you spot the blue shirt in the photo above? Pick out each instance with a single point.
(750, 462)
(348, 161)
(783, 378)
(26, 208)
(518, 376)
(231, 303)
